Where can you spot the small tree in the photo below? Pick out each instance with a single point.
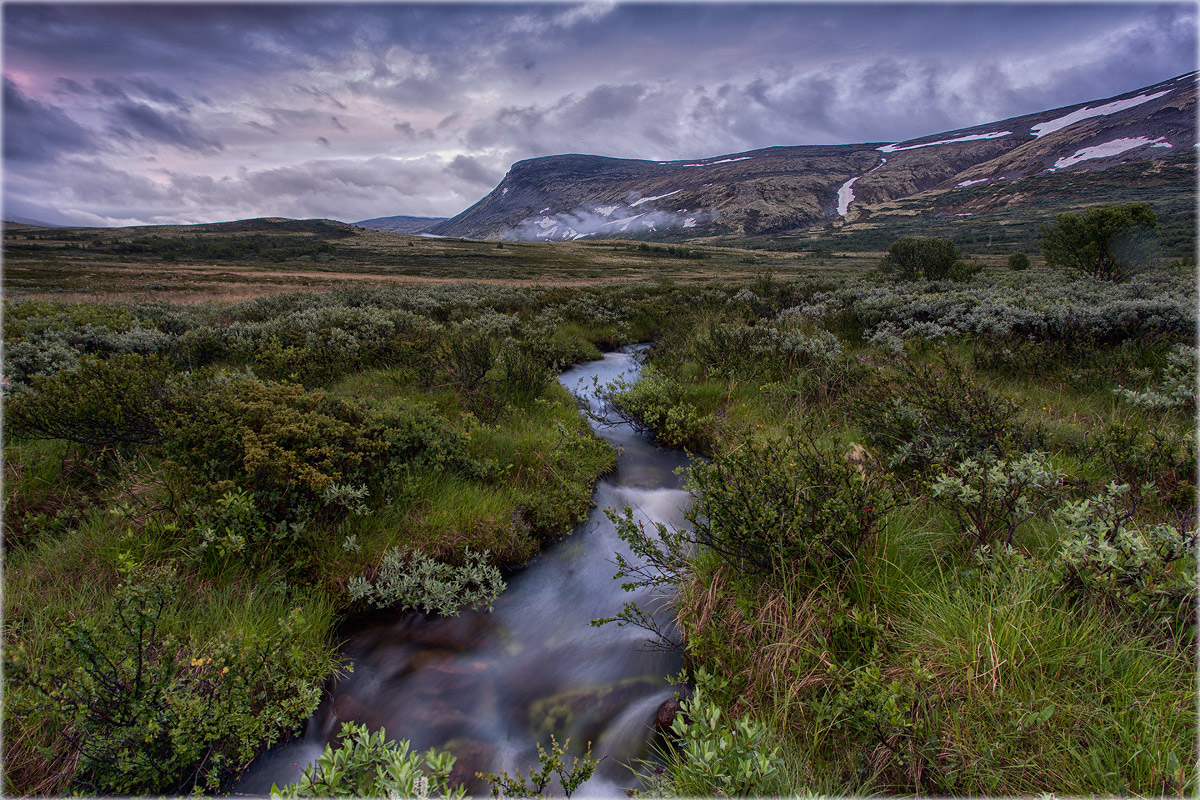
(1018, 262)
(1110, 243)
(914, 257)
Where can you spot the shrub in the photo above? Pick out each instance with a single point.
(1148, 458)
(1110, 243)
(1018, 262)
(991, 498)
(282, 443)
(661, 560)
(914, 257)
(709, 755)
(119, 401)
(785, 505)
(897, 717)
(413, 581)
(931, 415)
(659, 405)
(1176, 389)
(527, 367)
(1105, 556)
(366, 764)
(140, 711)
(538, 780)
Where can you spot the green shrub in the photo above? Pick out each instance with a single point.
(366, 764)
(929, 415)
(659, 405)
(661, 560)
(282, 443)
(1176, 388)
(711, 755)
(413, 581)
(914, 257)
(991, 498)
(538, 780)
(1148, 458)
(141, 711)
(1018, 262)
(527, 367)
(119, 401)
(1111, 243)
(785, 505)
(300, 452)
(895, 715)
(1108, 558)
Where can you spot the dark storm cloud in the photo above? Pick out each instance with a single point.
(472, 171)
(318, 94)
(462, 90)
(260, 127)
(71, 86)
(107, 88)
(38, 132)
(141, 121)
(158, 93)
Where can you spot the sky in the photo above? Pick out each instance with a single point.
(124, 114)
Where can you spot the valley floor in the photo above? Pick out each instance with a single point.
(943, 540)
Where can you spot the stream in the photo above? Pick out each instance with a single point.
(490, 686)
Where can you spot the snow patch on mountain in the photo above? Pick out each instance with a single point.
(972, 137)
(651, 199)
(972, 183)
(1106, 150)
(711, 163)
(846, 196)
(1042, 128)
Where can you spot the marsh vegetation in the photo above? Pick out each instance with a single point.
(942, 543)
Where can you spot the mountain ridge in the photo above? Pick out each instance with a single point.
(788, 188)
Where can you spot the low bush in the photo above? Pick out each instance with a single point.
(140, 709)
(1107, 557)
(119, 402)
(551, 765)
(1018, 262)
(787, 504)
(413, 581)
(1175, 389)
(914, 257)
(366, 764)
(711, 755)
(282, 443)
(931, 415)
(661, 405)
(991, 498)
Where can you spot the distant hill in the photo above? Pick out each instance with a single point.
(33, 223)
(400, 224)
(778, 190)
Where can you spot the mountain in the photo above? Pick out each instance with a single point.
(400, 224)
(33, 223)
(791, 188)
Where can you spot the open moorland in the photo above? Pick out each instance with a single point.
(942, 539)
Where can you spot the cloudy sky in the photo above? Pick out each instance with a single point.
(164, 113)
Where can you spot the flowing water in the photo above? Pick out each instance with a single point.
(489, 686)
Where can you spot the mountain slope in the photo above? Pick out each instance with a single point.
(782, 189)
(400, 224)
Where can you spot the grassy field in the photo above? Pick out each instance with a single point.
(238, 261)
(943, 542)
